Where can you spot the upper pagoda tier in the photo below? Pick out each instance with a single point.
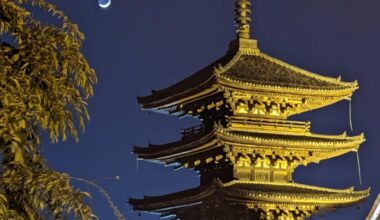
(247, 200)
(252, 146)
(246, 80)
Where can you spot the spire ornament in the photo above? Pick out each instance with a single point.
(243, 18)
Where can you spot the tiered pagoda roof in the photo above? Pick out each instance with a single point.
(258, 196)
(209, 145)
(246, 69)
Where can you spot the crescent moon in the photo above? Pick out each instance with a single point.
(104, 3)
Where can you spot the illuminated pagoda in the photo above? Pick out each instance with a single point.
(246, 149)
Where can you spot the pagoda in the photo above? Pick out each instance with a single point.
(245, 149)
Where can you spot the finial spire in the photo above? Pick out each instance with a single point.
(243, 18)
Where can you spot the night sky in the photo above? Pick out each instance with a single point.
(139, 45)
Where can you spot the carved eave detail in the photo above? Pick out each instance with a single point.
(248, 152)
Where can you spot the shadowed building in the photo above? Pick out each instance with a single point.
(246, 149)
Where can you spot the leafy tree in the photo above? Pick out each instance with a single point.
(44, 84)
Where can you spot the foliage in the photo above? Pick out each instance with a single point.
(44, 84)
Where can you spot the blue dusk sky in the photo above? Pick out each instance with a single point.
(139, 45)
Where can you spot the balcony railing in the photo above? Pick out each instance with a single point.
(192, 130)
(264, 123)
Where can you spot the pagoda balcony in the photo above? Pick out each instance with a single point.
(244, 121)
(192, 131)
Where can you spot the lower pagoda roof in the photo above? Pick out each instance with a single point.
(252, 194)
(315, 147)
